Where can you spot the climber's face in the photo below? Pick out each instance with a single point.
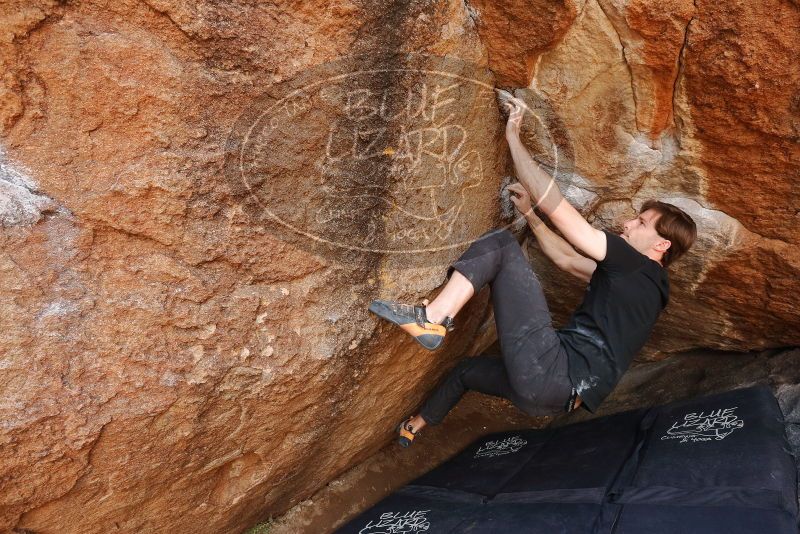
(641, 233)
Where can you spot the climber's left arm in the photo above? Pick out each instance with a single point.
(559, 251)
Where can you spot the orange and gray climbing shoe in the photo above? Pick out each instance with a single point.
(413, 320)
(406, 433)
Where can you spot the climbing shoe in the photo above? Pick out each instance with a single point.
(405, 433)
(413, 320)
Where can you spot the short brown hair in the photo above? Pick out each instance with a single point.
(675, 225)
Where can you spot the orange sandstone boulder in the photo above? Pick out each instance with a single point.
(198, 201)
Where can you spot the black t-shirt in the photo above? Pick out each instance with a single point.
(624, 298)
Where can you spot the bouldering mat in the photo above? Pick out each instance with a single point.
(719, 463)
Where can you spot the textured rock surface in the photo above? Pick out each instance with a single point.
(517, 33)
(168, 363)
(652, 35)
(173, 359)
(734, 134)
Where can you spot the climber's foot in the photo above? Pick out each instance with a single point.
(413, 320)
(406, 433)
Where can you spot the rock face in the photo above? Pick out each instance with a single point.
(734, 134)
(516, 34)
(198, 201)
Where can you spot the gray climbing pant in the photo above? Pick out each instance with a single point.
(532, 369)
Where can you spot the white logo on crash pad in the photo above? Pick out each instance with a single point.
(705, 426)
(500, 447)
(398, 523)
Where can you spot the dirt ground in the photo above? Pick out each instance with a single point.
(393, 466)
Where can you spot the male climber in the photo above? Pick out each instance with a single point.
(542, 370)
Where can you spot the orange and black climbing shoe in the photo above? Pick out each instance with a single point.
(406, 433)
(413, 320)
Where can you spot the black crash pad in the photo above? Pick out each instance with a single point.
(720, 463)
